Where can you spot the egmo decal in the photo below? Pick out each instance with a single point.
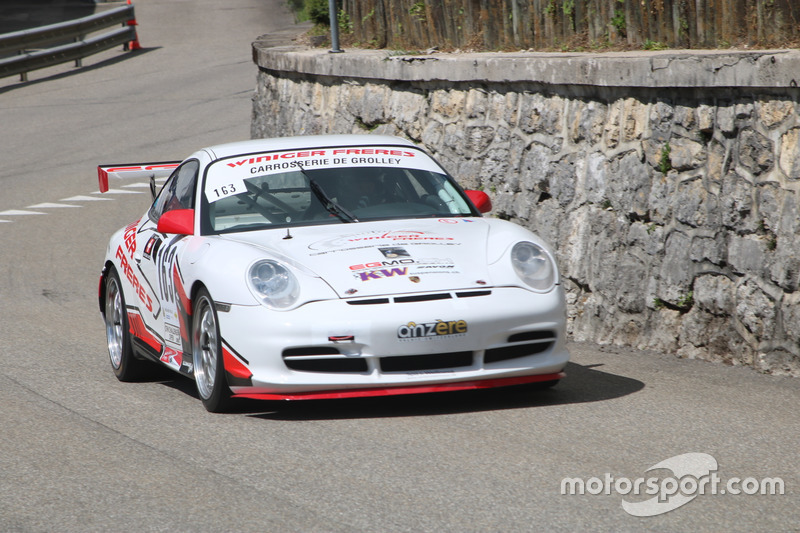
(424, 263)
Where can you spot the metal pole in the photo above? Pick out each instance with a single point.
(332, 14)
(23, 76)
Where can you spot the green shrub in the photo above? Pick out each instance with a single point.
(665, 164)
(317, 11)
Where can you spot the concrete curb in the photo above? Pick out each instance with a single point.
(763, 68)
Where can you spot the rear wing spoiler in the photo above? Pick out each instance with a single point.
(134, 171)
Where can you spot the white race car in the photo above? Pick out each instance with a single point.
(326, 267)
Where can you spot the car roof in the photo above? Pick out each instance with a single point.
(302, 142)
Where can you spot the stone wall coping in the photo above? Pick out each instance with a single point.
(660, 69)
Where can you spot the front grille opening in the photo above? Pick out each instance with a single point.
(374, 301)
(422, 298)
(472, 294)
(433, 361)
(533, 336)
(505, 353)
(310, 350)
(312, 359)
(339, 365)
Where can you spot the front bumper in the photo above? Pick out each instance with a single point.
(396, 345)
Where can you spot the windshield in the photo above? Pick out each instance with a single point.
(259, 193)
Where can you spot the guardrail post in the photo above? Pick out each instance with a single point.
(79, 61)
(23, 76)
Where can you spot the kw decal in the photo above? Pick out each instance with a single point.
(381, 274)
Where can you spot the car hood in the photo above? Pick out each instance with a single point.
(386, 257)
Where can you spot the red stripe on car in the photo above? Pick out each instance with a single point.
(393, 391)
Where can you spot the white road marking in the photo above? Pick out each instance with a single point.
(15, 212)
(95, 197)
(50, 205)
(118, 191)
(84, 199)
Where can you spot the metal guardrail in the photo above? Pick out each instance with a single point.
(27, 45)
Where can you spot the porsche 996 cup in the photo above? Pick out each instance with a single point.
(326, 267)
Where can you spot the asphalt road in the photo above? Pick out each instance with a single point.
(80, 451)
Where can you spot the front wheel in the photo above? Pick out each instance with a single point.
(120, 351)
(209, 370)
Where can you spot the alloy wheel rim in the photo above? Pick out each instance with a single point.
(114, 333)
(205, 348)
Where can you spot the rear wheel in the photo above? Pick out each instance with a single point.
(209, 370)
(125, 365)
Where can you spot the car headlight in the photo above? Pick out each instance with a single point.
(533, 265)
(273, 284)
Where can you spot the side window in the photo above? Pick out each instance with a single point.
(178, 191)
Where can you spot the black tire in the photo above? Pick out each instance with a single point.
(209, 369)
(120, 351)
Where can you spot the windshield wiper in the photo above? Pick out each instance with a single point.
(329, 203)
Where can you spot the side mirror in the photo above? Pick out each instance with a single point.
(177, 222)
(481, 200)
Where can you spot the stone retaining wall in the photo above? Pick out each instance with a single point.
(669, 184)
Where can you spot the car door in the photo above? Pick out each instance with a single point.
(157, 259)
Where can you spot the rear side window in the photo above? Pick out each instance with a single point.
(178, 191)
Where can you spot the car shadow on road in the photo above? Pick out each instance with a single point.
(582, 384)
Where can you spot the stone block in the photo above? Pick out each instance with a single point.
(789, 159)
(755, 310)
(686, 154)
(755, 151)
(772, 113)
(714, 294)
